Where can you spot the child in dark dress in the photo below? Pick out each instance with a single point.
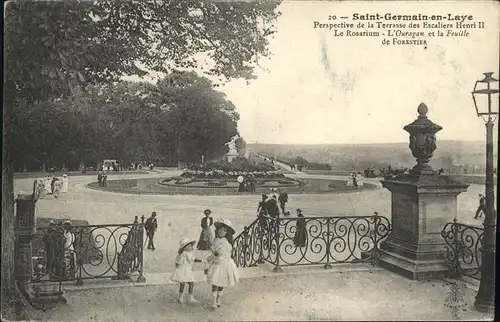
(300, 238)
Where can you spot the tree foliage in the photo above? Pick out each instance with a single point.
(180, 118)
(52, 48)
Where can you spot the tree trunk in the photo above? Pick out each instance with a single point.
(7, 277)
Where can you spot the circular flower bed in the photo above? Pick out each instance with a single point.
(230, 170)
(224, 175)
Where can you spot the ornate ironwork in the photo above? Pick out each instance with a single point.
(292, 241)
(256, 244)
(463, 250)
(76, 253)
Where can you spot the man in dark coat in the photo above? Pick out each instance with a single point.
(482, 205)
(283, 199)
(272, 206)
(52, 183)
(151, 225)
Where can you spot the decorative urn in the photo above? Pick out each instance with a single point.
(422, 140)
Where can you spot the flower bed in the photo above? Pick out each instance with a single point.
(228, 181)
(239, 166)
(224, 175)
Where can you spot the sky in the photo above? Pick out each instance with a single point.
(319, 89)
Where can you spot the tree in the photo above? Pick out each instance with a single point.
(51, 48)
(202, 119)
(241, 145)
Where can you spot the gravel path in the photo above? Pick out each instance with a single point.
(362, 296)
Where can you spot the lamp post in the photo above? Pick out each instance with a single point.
(485, 298)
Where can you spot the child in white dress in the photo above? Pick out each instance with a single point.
(221, 269)
(183, 273)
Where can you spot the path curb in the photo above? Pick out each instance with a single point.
(264, 271)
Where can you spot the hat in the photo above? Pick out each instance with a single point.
(184, 242)
(65, 175)
(207, 211)
(298, 209)
(226, 223)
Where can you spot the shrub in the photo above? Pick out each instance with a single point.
(217, 183)
(318, 166)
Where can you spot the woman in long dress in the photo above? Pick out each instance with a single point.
(57, 188)
(207, 233)
(222, 270)
(65, 184)
(47, 184)
(300, 238)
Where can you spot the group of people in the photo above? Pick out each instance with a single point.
(268, 206)
(354, 180)
(247, 183)
(52, 185)
(102, 177)
(221, 271)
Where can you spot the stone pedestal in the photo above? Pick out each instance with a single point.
(25, 228)
(421, 205)
(231, 156)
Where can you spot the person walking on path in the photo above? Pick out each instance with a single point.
(481, 207)
(104, 179)
(57, 188)
(283, 199)
(151, 226)
(272, 206)
(262, 211)
(300, 238)
(272, 210)
(207, 234)
(65, 183)
(184, 262)
(221, 269)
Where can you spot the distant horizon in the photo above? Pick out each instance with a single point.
(365, 143)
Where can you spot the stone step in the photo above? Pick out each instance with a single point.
(261, 271)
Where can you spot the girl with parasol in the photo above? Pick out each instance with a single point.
(221, 269)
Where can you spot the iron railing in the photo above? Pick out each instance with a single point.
(463, 250)
(85, 252)
(292, 241)
(255, 245)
